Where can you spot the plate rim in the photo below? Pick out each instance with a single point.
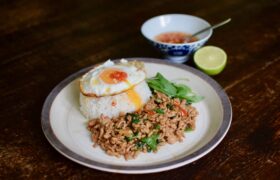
(209, 146)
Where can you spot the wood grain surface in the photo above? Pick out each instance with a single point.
(44, 41)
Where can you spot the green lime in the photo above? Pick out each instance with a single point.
(210, 59)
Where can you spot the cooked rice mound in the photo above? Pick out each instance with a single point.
(112, 106)
(162, 120)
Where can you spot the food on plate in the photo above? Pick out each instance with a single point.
(140, 118)
(111, 89)
(110, 78)
(162, 120)
(175, 37)
(111, 106)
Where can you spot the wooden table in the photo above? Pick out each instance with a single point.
(42, 42)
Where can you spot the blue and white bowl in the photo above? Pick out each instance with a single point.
(178, 53)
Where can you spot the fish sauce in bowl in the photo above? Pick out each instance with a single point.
(175, 37)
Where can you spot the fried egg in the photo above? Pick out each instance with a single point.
(110, 79)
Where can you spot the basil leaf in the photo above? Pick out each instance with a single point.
(157, 127)
(194, 99)
(158, 101)
(170, 106)
(131, 137)
(134, 117)
(159, 111)
(139, 144)
(181, 91)
(135, 121)
(188, 129)
(151, 141)
(161, 84)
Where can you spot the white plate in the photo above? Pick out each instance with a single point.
(65, 127)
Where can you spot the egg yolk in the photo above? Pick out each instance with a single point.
(134, 98)
(113, 76)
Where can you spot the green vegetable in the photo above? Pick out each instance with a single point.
(188, 129)
(161, 84)
(158, 101)
(181, 91)
(134, 117)
(170, 106)
(159, 111)
(139, 144)
(151, 141)
(129, 138)
(135, 121)
(157, 127)
(185, 92)
(194, 99)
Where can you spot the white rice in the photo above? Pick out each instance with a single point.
(93, 107)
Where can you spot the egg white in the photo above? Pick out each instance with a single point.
(92, 85)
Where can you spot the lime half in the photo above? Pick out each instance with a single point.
(210, 59)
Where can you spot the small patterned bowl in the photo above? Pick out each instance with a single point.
(178, 53)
